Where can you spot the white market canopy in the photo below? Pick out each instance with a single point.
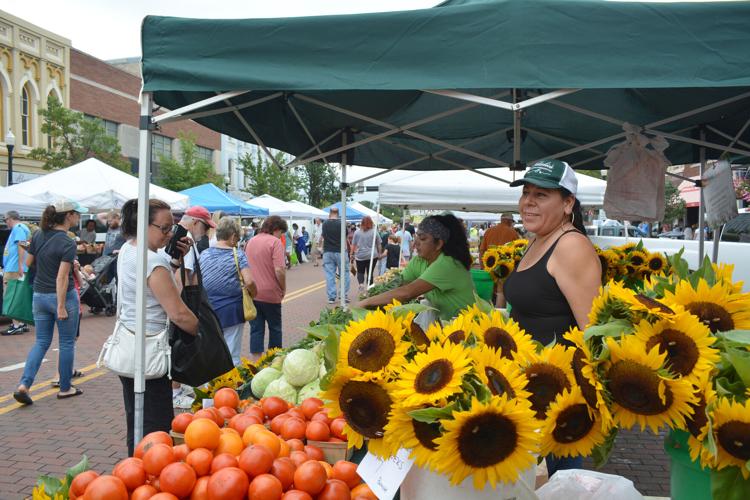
(471, 191)
(26, 206)
(311, 210)
(281, 208)
(96, 186)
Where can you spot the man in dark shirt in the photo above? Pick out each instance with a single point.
(331, 234)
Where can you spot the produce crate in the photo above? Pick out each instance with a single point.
(177, 437)
(333, 452)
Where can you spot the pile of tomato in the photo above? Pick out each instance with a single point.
(257, 454)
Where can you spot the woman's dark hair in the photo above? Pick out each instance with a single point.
(90, 221)
(457, 245)
(51, 217)
(273, 223)
(129, 215)
(577, 214)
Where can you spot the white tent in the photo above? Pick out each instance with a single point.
(24, 205)
(311, 210)
(95, 185)
(376, 217)
(470, 191)
(477, 216)
(281, 208)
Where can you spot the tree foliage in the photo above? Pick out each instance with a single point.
(75, 138)
(262, 176)
(674, 205)
(321, 184)
(189, 170)
(393, 213)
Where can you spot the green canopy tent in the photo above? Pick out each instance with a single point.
(468, 84)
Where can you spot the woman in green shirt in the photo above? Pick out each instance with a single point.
(440, 271)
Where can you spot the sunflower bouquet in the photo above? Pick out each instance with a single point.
(500, 260)
(631, 263)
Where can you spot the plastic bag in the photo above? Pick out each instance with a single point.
(587, 485)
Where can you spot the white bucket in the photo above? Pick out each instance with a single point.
(422, 484)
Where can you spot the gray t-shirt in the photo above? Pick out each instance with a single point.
(113, 241)
(88, 236)
(332, 235)
(50, 248)
(363, 241)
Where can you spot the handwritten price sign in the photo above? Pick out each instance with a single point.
(385, 476)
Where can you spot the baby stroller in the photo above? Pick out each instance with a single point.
(100, 293)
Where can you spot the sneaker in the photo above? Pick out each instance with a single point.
(331, 301)
(16, 330)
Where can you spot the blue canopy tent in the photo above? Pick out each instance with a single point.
(213, 198)
(352, 215)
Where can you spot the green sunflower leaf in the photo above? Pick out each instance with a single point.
(331, 349)
(317, 331)
(52, 485)
(416, 308)
(729, 484)
(601, 453)
(613, 328)
(726, 387)
(358, 313)
(736, 336)
(432, 415)
(485, 306)
(740, 360)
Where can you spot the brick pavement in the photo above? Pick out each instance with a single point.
(51, 435)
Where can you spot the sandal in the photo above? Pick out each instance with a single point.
(23, 397)
(76, 374)
(77, 392)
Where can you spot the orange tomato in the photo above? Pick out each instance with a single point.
(107, 487)
(241, 422)
(202, 433)
(269, 440)
(334, 490)
(181, 452)
(293, 428)
(200, 460)
(79, 483)
(364, 491)
(311, 406)
(131, 472)
(200, 490)
(181, 421)
(222, 461)
(346, 471)
(310, 477)
(296, 495)
(328, 467)
(226, 397)
(230, 483)
(164, 496)
(256, 460)
(143, 492)
(265, 487)
(157, 457)
(284, 449)
(229, 443)
(337, 428)
(151, 439)
(317, 431)
(177, 478)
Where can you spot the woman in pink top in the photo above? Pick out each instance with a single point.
(265, 254)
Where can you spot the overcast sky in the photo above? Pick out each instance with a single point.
(110, 29)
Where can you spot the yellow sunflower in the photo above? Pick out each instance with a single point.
(506, 336)
(697, 425)
(504, 267)
(458, 330)
(266, 357)
(587, 377)
(640, 394)
(374, 345)
(717, 306)
(686, 342)
(724, 273)
(731, 426)
(434, 332)
(572, 428)
(472, 312)
(610, 304)
(656, 262)
(492, 442)
(641, 303)
(521, 243)
(490, 259)
(637, 258)
(502, 376)
(432, 375)
(365, 405)
(549, 373)
(402, 431)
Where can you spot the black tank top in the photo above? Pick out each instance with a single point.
(537, 303)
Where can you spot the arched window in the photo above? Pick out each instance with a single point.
(25, 116)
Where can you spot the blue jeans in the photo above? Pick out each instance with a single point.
(332, 263)
(555, 464)
(267, 313)
(45, 317)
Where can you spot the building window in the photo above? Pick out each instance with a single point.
(25, 116)
(204, 154)
(110, 128)
(160, 145)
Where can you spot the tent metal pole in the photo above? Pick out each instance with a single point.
(516, 132)
(144, 174)
(304, 128)
(372, 250)
(702, 207)
(717, 238)
(301, 158)
(735, 140)
(702, 143)
(177, 113)
(343, 261)
(219, 111)
(515, 106)
(255, 136)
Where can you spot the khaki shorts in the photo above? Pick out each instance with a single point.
(8, 276)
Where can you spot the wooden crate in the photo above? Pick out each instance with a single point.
(177, 437)
(333, 452)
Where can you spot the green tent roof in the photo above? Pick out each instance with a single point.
(636, 62)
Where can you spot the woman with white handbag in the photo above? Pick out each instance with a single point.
(163, 303)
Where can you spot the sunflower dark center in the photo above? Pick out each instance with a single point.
(655, 264)
(546, 381)
(433, 377)
(486, 439)
(653, 304)
(491, 261)
(417, 335)
(636, 260)
(682, 353)
(365, 406)
(497, 383)
(715, 317)
(587, 388)
(630, 269)
(497, 338)
(371, 350)
(734, 437)
(504, 270)
(636, 388)
(572, 424)
(426, 433)
(457, 337)
(698, 419)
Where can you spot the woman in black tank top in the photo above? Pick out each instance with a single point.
(554, 285)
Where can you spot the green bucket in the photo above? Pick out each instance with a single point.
(687, 480)
(483, 283)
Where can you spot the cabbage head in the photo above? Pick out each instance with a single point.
(311, 390)
(300, 367)
(262, 379)
(323, 372)
(282, 389)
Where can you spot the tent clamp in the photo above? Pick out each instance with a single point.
(517, 166)
(344, 185)
(145, 123)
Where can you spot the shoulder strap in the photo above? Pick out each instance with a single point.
(237, 265)
(118, 266)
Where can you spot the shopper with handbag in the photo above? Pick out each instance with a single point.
(229, 284)
(163, 304)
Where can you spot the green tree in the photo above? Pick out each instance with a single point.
(189, 170)
(264, 177)
(393, 213)
(321, 184)
(74, 138)
(674, 205)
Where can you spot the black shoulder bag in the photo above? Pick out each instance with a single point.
(201, 358)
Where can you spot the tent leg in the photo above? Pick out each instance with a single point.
(702, 207)
(370, 267)
(717, 237)
(343, 268)
(144, 177)
(401, 243)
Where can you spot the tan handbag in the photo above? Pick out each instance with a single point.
(247, 301)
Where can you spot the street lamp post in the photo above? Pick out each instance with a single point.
(10, 143)
(227, 180)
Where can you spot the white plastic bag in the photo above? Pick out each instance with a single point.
(582, 484)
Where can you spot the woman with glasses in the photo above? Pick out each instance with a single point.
(163, 304)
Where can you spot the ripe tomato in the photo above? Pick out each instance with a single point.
(200, 460)
(296, 495)
(347, 472)
(314, 452)
(255, 411)
(293, 428)
(310, 477)
(278, 421)
(143, 492)
(230, 483)
(164, 496)
(284, 472)
(227, 412)
(177, 478)
(265, 487)
(181, 452)
(226, 397)
(256, 460)
(296, 412)
(241, 422)
(181, 421)
(317, 431)
(79, 483)
(298, 457)
(200, 490)
(106, 487)
(364, 491)
(334, 490)
(274, 406)
(222, 461)
(311, 406)
(157, 457)
(322, 416)
(131, 472)
(296, 445)
(151, 439)
(337, 428)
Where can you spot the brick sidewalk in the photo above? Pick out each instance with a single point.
(50, 436)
